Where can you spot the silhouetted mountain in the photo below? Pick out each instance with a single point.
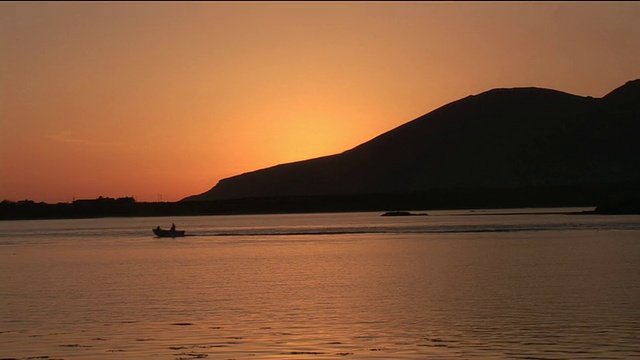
(519, 138)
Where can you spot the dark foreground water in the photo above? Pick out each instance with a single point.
(453, 285)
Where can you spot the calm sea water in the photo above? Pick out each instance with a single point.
(453, 285)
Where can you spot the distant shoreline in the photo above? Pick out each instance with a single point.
(173, 214)
(106, 208)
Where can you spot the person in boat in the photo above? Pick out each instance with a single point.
(158, 228)
(173, 227)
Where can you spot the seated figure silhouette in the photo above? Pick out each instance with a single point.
(173, 227)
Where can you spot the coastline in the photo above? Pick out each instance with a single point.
(303, 204)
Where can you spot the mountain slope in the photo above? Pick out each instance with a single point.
(502, 138)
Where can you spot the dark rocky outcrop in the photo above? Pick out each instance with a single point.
(629, 206)
(402, 213)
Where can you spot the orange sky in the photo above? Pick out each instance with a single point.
(150, 99)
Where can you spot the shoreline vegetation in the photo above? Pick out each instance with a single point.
(603, 202)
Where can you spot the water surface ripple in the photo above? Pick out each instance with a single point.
(510, 284)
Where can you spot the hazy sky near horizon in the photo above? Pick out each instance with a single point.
(164, 99)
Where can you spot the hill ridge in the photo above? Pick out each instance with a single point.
(500, 138)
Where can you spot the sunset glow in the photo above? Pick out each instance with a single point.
(164, 99)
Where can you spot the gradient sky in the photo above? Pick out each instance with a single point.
(164, 99)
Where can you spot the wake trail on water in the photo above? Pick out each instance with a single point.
(433, 230)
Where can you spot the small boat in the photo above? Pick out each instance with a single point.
(168, 233)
